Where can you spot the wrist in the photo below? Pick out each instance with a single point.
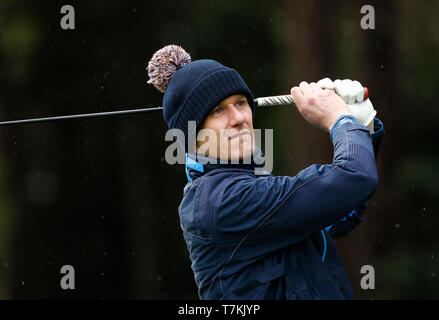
(337, 118)
(371, 125)
(343, 119)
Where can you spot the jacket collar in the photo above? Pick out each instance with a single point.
(198, 165)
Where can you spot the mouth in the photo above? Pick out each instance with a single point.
(240, 134)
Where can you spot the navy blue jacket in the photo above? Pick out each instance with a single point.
(253, 236)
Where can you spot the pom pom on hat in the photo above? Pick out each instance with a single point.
(164, 63)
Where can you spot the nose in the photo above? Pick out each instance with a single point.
(236, 118)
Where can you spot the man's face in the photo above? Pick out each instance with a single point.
(232, 125)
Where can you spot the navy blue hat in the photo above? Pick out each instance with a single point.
(192, 88)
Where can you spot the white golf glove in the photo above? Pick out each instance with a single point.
(352, 92)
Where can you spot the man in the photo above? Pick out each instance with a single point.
(254, 236)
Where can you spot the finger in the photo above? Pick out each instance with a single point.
(351, 91)
(338, 86)
(359, 89)
(297, 95)
(341, 90)
(314, 87)
(326, 83)
(305, 87)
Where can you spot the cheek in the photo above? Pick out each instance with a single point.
(249, 119)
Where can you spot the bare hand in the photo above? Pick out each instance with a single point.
(320, 107)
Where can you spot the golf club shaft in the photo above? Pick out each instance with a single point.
(82, 116)
(259, 102)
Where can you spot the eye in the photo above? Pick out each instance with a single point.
(217, 111)
(241, 103)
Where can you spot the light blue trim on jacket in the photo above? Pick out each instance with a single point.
(324, 246)
(193, 165)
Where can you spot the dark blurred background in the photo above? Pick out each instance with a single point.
(97, 194)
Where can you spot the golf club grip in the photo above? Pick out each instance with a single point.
(286, 100)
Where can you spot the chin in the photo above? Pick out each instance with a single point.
(244, 153)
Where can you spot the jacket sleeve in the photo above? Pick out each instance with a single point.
(272, 212)
(354, 218)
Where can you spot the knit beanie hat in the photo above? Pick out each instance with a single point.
(192, 88)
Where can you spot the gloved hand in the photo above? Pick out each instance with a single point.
(352, 92)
